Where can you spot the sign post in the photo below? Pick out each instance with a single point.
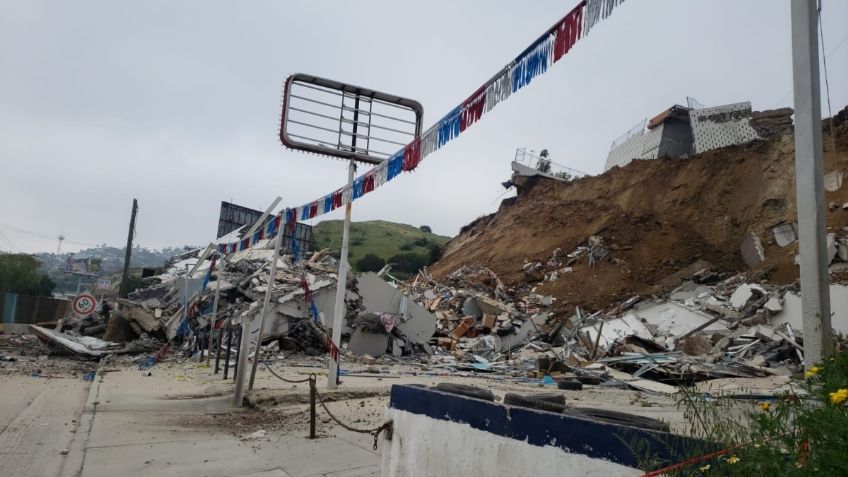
(340, 120)
(84, 304)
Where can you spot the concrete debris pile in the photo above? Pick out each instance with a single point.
(704, 329)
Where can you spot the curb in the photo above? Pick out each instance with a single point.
(72, 466)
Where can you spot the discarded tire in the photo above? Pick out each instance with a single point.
(465, 390)
(587, 379)
(617, 417)
(528, 402)
(570, 385)
(556, 398)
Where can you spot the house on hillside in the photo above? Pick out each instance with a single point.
(681, 131)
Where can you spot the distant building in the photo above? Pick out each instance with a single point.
(682, 131)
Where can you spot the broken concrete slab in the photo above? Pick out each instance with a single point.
(792, 313)
(364, 343)
(832, 250)
(76, 345)
(745, 293)
(527, 330)
(785, 234)
(833, 180)
(752, 250)
(617, 330)
(379, 297)
(673, 319)
(773, 304)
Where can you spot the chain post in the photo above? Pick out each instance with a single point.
(312, 397)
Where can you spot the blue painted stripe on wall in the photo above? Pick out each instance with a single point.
(591, 438)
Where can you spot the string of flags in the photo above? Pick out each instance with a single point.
(535, 60)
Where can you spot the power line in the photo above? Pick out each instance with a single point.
(824, 59)
(826, 82)
(36, 234)
(12, 245)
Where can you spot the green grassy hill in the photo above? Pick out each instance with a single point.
(384, 239)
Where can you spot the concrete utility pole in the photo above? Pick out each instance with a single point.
(341, 286)
(244, 349)
(128, 254)
(809, 183)
(271, 281)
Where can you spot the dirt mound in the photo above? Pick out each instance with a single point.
(655, 216)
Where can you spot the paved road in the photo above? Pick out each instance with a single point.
(38, 420)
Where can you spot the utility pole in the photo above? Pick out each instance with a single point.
(59, 249)
(126, 275)
(272, 280)
(809, 183)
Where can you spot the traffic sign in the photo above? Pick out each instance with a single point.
(84, 304)
(104, 284)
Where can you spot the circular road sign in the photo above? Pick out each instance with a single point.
(84, 304)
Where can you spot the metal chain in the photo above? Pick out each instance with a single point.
(386, 426)
(282, 378)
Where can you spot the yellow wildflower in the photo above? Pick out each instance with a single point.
(764, 406)
(839, 396)
(704, 468)
(812, 372)
(732, 459)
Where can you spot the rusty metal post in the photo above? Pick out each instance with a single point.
(312, 397)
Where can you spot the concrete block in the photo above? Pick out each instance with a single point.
(752, 250)
(785, 234)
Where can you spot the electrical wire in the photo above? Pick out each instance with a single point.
(824, 58)
(36, 234)
(12, 245)
(826, 82)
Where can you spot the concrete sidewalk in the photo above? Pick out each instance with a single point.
(134, 425)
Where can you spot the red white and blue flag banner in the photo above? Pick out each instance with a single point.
(549, 48)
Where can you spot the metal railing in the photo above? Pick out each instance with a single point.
(531, 159)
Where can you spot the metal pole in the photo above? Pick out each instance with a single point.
(809, 183)
(341, 288)
(313, 392)
(271, 280)
(218, 353)
(244, 348)
(215, 311)
(229, 350)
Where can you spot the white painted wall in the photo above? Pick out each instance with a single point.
(422, 446)
(721, 126)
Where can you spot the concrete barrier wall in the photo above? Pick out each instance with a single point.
(422, 445)
(437, 433)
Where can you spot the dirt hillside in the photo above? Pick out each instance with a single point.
(656, 217)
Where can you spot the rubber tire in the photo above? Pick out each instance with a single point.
(512, 399)
(556, 398)
(617, 417)
(570, 385)
(466, 390)
(594, 380)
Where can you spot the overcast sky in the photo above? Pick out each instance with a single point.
(177, 103)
